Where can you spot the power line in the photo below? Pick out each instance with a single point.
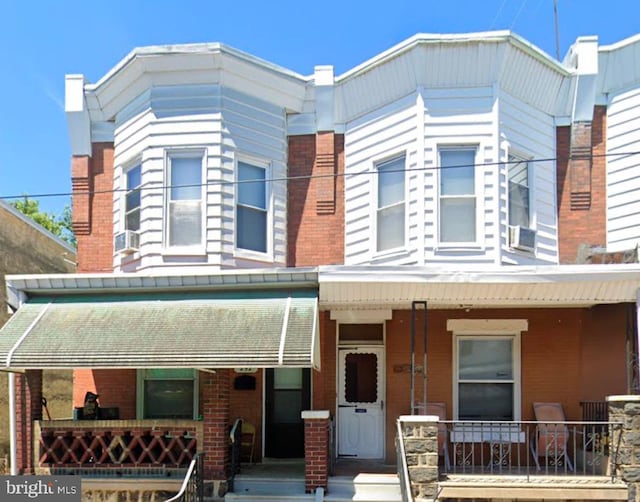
(316, 176)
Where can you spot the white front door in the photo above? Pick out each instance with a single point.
(361, 402)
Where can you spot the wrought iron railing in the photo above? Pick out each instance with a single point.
(235, 445)
(403, 468)
(529, 448)
(192, 489)
(145, 447)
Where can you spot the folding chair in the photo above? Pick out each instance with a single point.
(247, 442)
(550, 439)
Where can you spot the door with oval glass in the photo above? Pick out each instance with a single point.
(361, 402)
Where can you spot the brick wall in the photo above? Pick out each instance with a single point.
(116, 388)
(316, 205)
(316, 449)
(92, 182)
(247, 404)
(564, 358)
(215, 391)
(28, 409)
(582, 226)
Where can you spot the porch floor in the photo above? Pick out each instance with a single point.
(294, 468)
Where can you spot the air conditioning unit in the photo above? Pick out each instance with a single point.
(127, 242)
(522, 238)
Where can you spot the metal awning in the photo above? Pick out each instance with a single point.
(256, 329)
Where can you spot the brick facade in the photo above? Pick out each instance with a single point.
(316, 449)
(92, 182)
(315, 215)
(582, 221)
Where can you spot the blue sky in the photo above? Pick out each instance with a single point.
(44, 40)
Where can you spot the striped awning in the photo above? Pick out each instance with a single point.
(163, 331)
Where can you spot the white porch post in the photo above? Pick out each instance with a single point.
(12, 424)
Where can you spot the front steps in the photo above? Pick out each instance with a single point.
(362, 488)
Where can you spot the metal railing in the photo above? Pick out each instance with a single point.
(235, 445)
(192, 489)
(530, 448)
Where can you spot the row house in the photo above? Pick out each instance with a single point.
(452, 221)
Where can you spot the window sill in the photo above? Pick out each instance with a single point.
(246, 254)
(459, 246)
(390, 254)
(184, 251)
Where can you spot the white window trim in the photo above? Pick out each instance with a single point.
(398, 250)
(250, 254)
(490, 329)
(122, 196)
(478, 184)
(528, 159)
(140, 393)
(195, 250)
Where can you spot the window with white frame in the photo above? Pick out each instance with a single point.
(519, 193)
(390, 217)
(184, 205)
(133, 180)
(487, 377)
(251, 208)
(457, 195)
(167, 393)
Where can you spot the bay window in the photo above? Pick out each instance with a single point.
(251, 208)
(519, 193)
(133, 181)
(390, 214)
(185, 215)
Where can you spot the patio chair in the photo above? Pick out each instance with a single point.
(440, 410)
(550, 440)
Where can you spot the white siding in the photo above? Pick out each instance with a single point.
(222, 123)
(390, 132)
(461, 117)
(623, 171)
(530, 133)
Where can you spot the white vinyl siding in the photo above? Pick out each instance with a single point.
(458, 206)
(529, 133)
(225, 125)
(390, 221)
(623, 171)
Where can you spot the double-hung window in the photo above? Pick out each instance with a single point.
(184, 224)
(251, 208)
(167, 393)
(390, 215)
(486, 377)
(457, 195)
(132, 203)
(519, 193)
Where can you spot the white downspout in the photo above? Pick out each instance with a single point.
(13, 434)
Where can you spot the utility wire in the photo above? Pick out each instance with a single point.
(317, 176)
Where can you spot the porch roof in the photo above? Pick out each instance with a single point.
(469, 286)
(186, 330)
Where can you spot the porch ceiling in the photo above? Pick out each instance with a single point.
(171, 331)
(547, 286)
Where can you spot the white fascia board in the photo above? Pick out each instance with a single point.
(78, 120)
(464, 38)
(227, 279)
(189, 63)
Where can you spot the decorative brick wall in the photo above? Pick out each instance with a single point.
(316, 449)
(420, 439)
(582, 189)
(315, 211)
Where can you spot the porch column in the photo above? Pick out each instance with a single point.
(28, 408)
(317, 425)
(626, 439)
(420, 441)
(215, 394)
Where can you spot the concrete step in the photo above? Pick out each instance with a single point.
(361, 488)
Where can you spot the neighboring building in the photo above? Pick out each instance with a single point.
(254, 241)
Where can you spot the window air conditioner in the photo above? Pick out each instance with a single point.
(522, 238)
(127, 242)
